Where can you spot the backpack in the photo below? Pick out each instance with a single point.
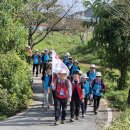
(95, 83)
(66, 84)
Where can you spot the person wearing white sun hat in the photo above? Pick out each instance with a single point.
(98, 87)
(87, 93)
(63, 93)
(92, 73)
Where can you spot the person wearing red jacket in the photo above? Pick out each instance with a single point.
(77, 97)
(63, 92)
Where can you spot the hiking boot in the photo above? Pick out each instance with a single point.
(77, 118)
(56, 123)
(62, 121)
(83, 115)
(72, 120)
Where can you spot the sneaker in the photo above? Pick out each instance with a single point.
(72, 120)
(62, 121)
(45, 109)
(77, 118)
(56, 123)
(83, 115)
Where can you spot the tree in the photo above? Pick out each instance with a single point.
(112, 36)
(12, 34)
(37, 12)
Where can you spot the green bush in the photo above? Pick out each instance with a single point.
(15, 88)
(118, 99)
(122, 122)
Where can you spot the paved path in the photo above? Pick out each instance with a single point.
(35, 118)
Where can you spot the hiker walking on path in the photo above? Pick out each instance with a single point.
(63, 91)
(36, 59)
(47, 79)
(45, 59)
(87, 91)
(75, 67)
(66, 58)
(98, 88)
(92, 75)
(77, 97)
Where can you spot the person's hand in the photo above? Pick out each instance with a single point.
(82, 100)
(52, 84)
(69, 99)
(49, 91)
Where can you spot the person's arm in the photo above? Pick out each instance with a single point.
(78, 67)
(82, 87)
(104, 87)
(70, 90)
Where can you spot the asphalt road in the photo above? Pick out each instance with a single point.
(35, 118)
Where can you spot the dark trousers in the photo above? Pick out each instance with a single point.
(96, 102)
(84, 105)
(44, 68)
(75, 108)
(60, 104)
(40, 69)
(54, 97)
(35, 66)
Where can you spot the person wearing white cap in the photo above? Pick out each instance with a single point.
(63, 93)
(87, 93)
(75, 67)
(92, 73)
(77, 97)
(36, 59)
(98, 87)
(66, 58)
(45, 59)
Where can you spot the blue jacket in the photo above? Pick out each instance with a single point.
(45, 58)
(47, 82)
(65, 60)
(87, 89)
(36, 59)
(69, 65)
(91, 75)
(74, 68)
(40, 59)
(98, 87)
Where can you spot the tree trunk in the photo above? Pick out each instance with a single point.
(122, 82)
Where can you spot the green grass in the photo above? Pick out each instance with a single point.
(68, 43)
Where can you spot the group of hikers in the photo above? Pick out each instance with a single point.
(77, 88)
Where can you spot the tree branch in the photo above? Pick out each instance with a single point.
(49, 30)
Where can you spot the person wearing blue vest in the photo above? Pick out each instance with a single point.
(36, 58)
(69, 64)
(92, 73)
(45, 59)
(40, 62)
(98, 88)
(87, 91)
(66, 58)
(75, 67)
(47, 79)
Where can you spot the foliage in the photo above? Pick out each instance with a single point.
(122, 122)
(12, 34)
(15, 87)
(112, 36)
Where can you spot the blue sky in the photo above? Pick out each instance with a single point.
(78, 7)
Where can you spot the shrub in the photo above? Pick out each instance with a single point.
(15, 88)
